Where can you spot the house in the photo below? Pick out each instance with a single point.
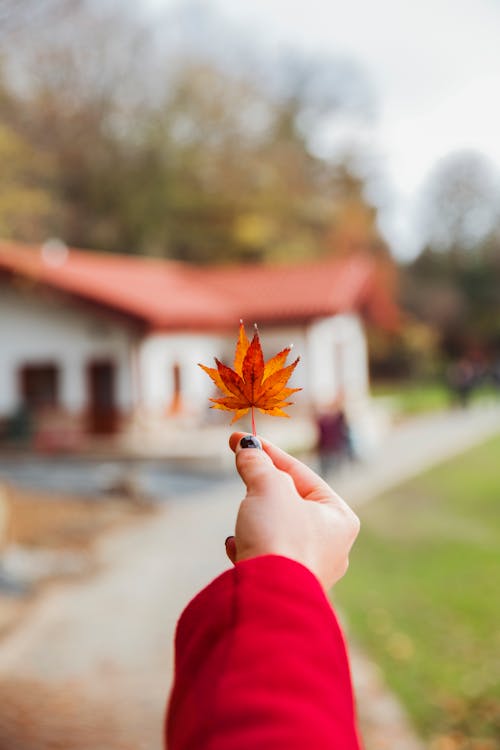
(96, 344)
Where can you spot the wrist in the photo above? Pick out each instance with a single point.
(283, 553)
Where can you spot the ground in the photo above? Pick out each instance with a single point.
(45, 537)
(433, 618)
(38, 519)
(90, 668)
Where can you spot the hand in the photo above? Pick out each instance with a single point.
(289, 510)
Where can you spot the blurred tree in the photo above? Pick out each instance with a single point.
(263, 190)
(354, 222)
(27, 208)
(454, 284)
(15, 15)
(179, 156)
(461, 204)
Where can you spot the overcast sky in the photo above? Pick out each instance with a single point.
(434, 66)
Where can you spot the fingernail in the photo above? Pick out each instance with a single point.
(250, 441)
(231, 536)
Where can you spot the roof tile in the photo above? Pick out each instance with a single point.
(171, 295)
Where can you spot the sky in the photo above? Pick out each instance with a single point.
(433, 66)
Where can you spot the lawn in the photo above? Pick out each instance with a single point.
(415, 397)
(422, 596)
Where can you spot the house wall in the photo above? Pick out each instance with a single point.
(332, 350)
(36, 329)
(337, 359)
(39, 329)
(159, 353)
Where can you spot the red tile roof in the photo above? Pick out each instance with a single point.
(170, 295)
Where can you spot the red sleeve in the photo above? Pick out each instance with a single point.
(261, 664)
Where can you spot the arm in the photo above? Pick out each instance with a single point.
(261, 664)
(260, 658)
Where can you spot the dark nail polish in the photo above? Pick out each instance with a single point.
(249, 441)
(231, 536)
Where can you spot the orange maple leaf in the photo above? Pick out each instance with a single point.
(253, 383)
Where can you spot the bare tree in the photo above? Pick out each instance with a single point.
(461, 202)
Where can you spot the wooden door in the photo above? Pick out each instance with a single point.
(102, 413)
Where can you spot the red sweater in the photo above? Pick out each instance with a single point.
(261, 665)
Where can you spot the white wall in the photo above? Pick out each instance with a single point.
(158, 354)
(333, 355)
(337, 359)
(36, 328)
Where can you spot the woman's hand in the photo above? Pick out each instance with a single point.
(289, 510)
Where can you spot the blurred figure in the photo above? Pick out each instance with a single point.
(495, 373)
(461, 378)
(334, 437)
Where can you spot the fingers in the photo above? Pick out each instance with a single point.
(235, 438)
(230, 545)
(255, 468)
(309, 485)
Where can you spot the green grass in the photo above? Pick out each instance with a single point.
(415, 397)
(422, 595)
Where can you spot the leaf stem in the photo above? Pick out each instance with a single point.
(254, 431)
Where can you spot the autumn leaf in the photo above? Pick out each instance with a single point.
(253, 383)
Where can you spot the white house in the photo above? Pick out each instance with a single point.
(96, 344)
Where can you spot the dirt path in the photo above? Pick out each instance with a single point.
(106, 644)
(90, 668)
(415, 446)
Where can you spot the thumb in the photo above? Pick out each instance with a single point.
(254, 466)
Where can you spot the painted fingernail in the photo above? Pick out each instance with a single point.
(231, 536)
(250, 441)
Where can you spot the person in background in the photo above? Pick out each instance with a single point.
(333, 437)
(495, 373)
(260, 659)
(462, 379)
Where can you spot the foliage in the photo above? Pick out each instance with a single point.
(460, 204)
(454, 285)
(421, 596)
(459, 295)
(176, 155)
(26, 204)
(413, 352)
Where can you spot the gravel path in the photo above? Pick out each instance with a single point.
(91, 667)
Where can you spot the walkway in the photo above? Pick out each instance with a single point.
(90, 668)
(418, 444)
